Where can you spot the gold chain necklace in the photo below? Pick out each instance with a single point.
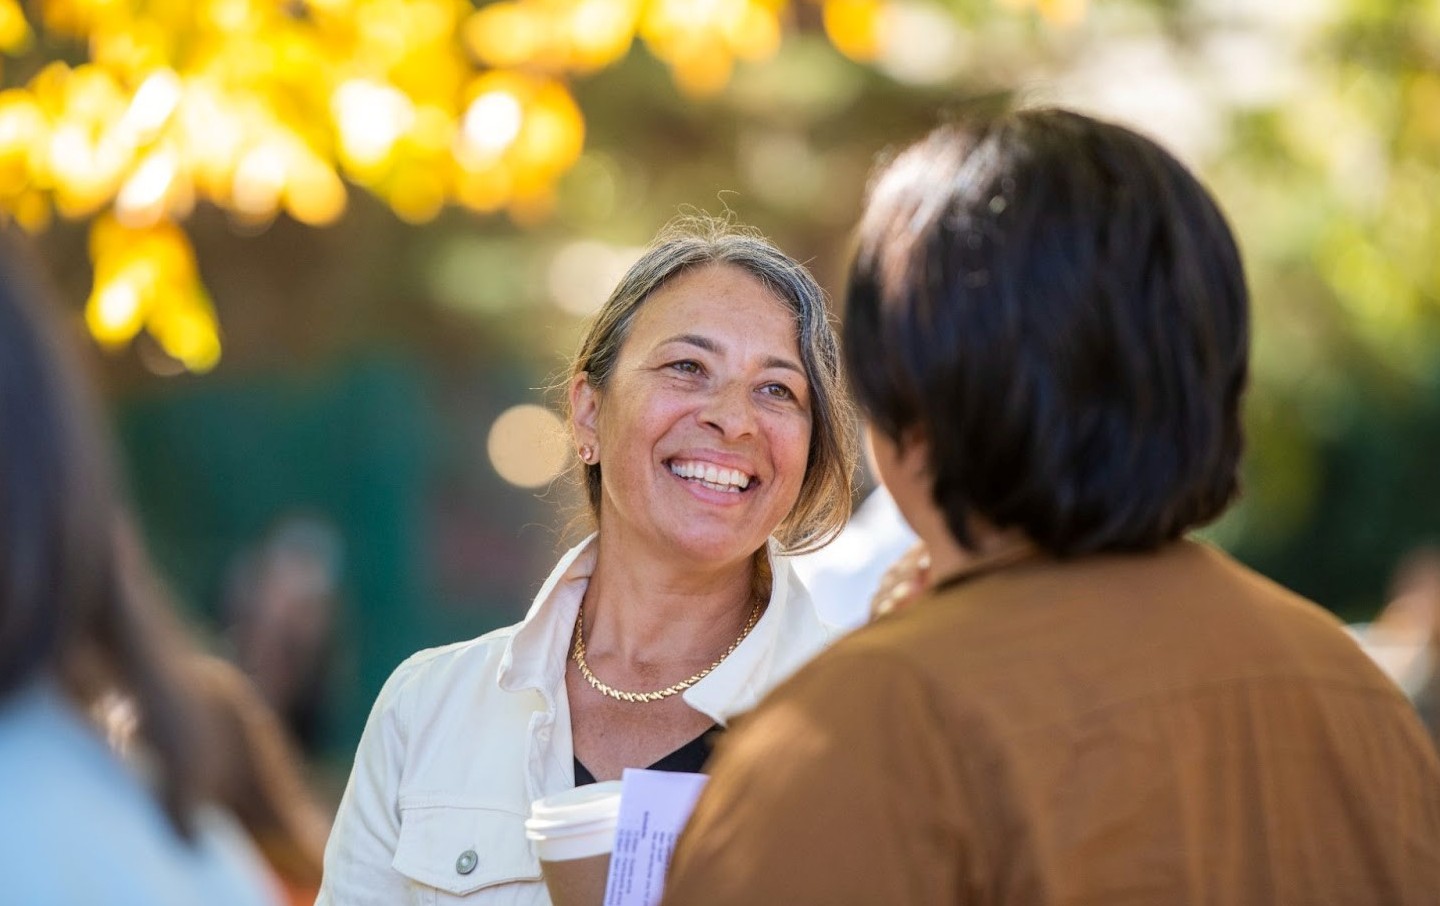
(577, 654)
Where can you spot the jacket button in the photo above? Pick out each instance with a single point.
(466, 863)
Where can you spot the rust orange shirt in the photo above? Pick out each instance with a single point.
(1166, 728)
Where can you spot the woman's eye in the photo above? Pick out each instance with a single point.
(686, 366)
(779, 391)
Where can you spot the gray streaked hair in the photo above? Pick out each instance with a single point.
(823, 505)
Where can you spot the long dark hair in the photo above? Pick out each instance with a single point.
(78, 602)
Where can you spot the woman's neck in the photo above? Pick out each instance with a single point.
(643, 608)
(989, 546)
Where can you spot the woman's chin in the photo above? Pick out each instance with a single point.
(718, 548)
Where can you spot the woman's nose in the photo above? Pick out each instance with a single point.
(730, 411)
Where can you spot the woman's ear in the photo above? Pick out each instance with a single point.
(584, 411)
(911, 456)
(902, 464)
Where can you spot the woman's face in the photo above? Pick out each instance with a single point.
(703, 430)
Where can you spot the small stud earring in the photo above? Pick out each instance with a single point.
(587, 454)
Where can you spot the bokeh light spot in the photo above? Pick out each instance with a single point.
(526, 445)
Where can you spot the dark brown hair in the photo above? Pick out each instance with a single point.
(1058, 307)
(78, 602)
(259, 775)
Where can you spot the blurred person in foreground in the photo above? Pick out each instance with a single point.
(846, 576)
(1047, 324)
(260, 778)
(81, 624)
(714, 437)
(1404, 638)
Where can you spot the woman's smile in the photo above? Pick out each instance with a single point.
(709, 475)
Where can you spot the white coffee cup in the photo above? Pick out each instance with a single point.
(574, 832)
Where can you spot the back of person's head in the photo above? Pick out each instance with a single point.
(76, 597)
(1056, 306)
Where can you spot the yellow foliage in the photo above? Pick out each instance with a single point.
(506, 34)
(147, 279)
(701, 39)
(24, 140)
(530, 125)
(314, 195)
(485, 189)
(600, 32)
(1056, 12)
(702, 67)
(15, 33)
(263, 107)
(855, 27)
(416, 194)
(32, 211)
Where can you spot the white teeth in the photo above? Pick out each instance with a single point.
(712, 476)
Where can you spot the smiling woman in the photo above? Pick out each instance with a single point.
(708, 396)
(714, 438)
(753, 264)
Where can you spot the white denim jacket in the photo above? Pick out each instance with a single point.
(463, 738)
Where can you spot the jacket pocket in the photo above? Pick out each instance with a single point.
(459, 849)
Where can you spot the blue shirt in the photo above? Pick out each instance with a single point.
(77, 826)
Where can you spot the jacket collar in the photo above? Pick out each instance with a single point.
(787, 634)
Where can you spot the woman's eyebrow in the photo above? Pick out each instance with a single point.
(693, 339)
(709, 345)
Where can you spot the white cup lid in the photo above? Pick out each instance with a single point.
(594, 802)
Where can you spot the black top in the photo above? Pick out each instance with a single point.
(689, 758)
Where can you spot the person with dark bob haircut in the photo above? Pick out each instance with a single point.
(1047, 327)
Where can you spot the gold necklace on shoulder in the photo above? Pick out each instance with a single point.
(577, 654)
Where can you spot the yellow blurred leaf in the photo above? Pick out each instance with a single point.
(754, 32)
(156, 190)
(1063, 12)
(1056, 12)
(484, 190)
(493, 118)
(183, 322)
(371, 117)
(24, 141)
(417, 194)
(552, 131)
(505, 34)
(15, 36)
(32, 211)
(315, 195)
(703, 69)
(260, 179)
(533, 206)
(141, 46)
(600, 31)
(115, 312)
(855, 27)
